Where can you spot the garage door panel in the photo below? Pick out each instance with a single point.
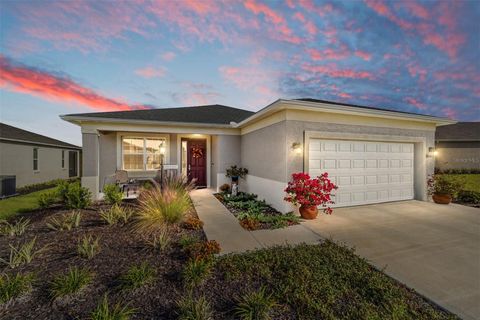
(365, 171)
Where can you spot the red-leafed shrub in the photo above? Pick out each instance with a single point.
(193, 223)
(308, 192)
(204, 250)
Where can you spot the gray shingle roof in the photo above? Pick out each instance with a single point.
(357, 106)
(462, 131)
(213, 114)
(13, 133)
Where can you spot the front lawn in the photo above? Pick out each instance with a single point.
(11, 206)
(472, 181)
(128, 258)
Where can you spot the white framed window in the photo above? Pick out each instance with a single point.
(63, 159)
(35, 159)
(142, 153)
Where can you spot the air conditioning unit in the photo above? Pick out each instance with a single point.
(8, 186)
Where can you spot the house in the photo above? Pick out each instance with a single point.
(374, 155)
(33, 158)
(458, 146)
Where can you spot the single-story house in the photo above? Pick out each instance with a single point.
(458, 146)
(34, 158)
(374, 155)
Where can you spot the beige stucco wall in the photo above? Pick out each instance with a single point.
(17, 160)
(226, 152)
(268, 155)
(458, 155)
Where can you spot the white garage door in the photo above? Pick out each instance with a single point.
(365, 172)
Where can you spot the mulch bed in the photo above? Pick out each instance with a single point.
(268, 211)
(120, 249)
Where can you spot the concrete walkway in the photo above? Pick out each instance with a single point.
(222, 226)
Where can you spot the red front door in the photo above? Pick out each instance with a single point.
(197, 161)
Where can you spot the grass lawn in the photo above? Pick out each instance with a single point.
(472, 181)
(11, 206)
(324, 281)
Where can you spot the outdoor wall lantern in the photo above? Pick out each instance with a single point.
(431, 152)
(297, 147)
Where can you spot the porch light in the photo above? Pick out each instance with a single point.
(432, 152)
(297, 147)
(162, 149)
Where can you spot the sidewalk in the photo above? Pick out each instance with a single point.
(222, 226)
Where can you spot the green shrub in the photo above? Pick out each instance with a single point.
(137, 276)
(187, 241)
(105, 311)
(13, 287)
(88, 247)
(195, 272)
(22, 254)
(160, 240)
(192, 308)
(43, 185)
(116, 214)
(65, 222)
(241, 196)
(16, 228)
(112, 194)
(255, 306)
(46, 199)
(158, 208)
(62, 190)
(468, 196)
(69, 283)
(77, 197)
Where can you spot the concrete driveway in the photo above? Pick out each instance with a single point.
(432, 248)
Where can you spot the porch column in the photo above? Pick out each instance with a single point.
(90, 177)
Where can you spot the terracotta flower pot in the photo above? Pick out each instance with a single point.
(308, 212)
(441, 198)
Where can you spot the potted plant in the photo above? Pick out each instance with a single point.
(443, 188)
(235, 173)
(310, 193)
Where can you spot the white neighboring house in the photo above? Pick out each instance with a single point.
(374, 155)
(33, 158)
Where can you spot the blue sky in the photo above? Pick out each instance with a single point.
(83, 56)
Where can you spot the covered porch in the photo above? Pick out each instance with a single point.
(138, 155)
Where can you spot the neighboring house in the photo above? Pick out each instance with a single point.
(33, 158)
(458, 146)
(374, 155)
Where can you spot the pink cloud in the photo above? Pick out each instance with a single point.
(19, 78)
(364, 55)
(448, 41)
(168, 56)
(415, 70)
(308, 5)
(416, 9)
(334, 72)
(281, 31)
(329, 54)
(450, 113)
(151, 72)
(252, 78)
(415, 103)
(344, 95)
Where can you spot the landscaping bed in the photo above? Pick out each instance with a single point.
(254, 214)
(120, 249)
(149, 259)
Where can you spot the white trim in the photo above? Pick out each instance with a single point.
(335, 108)
(209, 152)
(120, 135)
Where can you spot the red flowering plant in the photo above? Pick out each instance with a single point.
(310, 192)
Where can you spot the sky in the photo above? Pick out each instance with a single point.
(63, 57)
